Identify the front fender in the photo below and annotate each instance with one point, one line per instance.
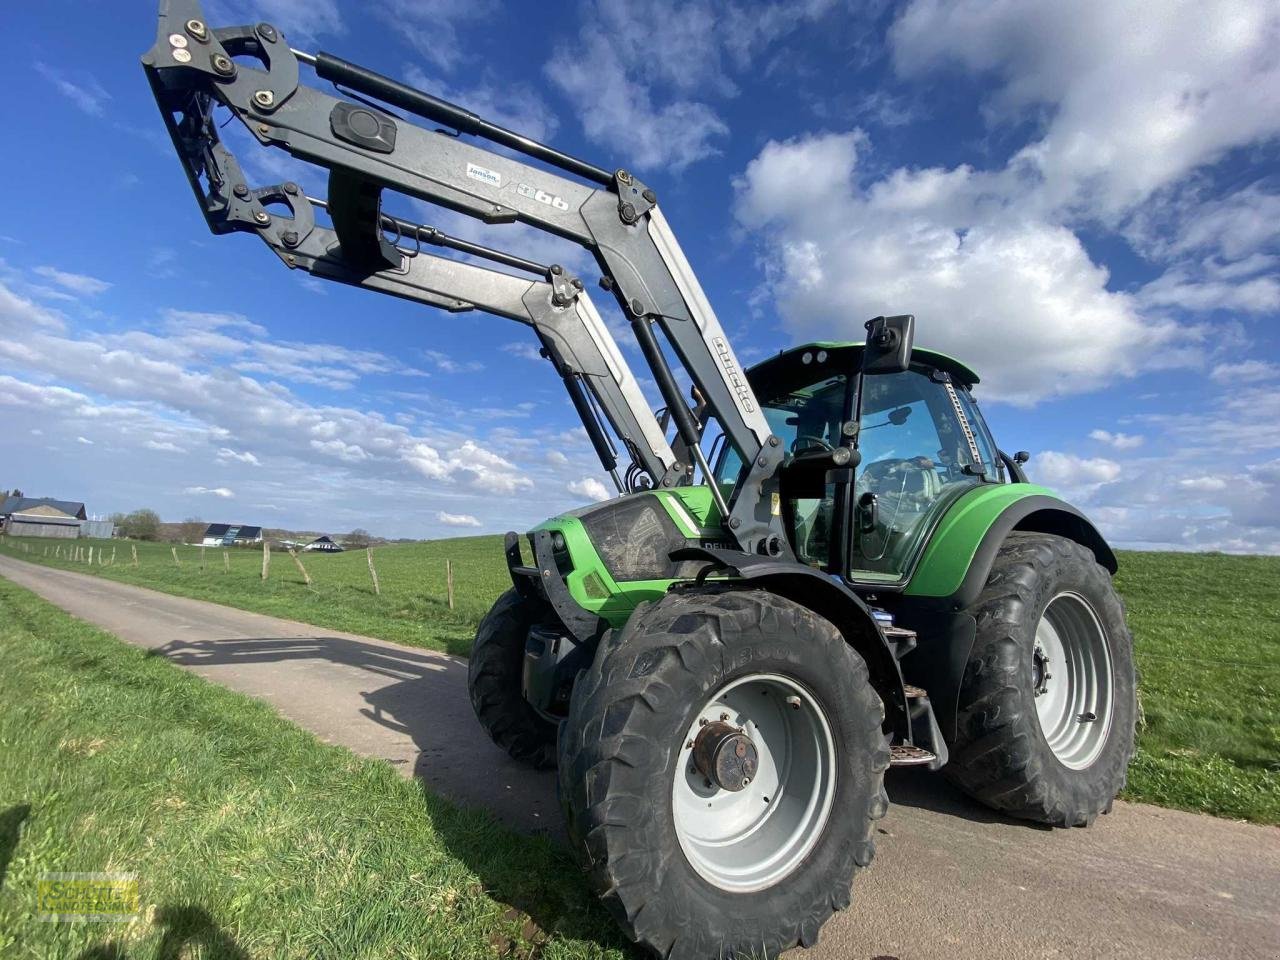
(829, 599)
(958, 558)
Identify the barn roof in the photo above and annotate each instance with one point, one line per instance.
(71, 508)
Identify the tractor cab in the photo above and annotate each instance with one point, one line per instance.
(874, 459)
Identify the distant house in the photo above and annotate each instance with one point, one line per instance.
(230, 535)
(41, 517)
(324, 544)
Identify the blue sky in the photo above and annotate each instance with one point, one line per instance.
(1080, 199)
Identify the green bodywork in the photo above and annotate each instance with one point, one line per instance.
(691, 509)
(939, 570)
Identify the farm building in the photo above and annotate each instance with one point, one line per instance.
(230, 535)
(41, 517)
(325, 544)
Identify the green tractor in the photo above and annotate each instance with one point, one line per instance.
(722, 743)
(815, 569)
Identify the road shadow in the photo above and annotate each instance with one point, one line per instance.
(189, 931)
(918, 788)
(11, 821)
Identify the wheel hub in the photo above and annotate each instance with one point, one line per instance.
(725, 755)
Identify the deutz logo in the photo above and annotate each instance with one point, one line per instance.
(732, 375)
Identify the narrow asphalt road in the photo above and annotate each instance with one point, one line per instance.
(951, 880)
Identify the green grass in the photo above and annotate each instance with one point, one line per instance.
(1206, 629)
(1207, 636)
(249, 837)
(412, 609)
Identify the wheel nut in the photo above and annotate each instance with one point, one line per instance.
(262, 217)
(264, 98)
(198, 30)
(222, 64)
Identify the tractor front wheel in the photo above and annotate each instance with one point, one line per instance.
(495, 682)
(720, 773)
(1047, 706)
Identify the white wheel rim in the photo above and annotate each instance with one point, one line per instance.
(1074, 702)
(752, 838)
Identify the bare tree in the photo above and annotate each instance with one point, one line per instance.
(357, 539)
(192, 529)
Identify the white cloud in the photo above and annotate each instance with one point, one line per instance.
(615, 107)
(432, 28)
(1245, 371)
(457, 519)
(589, 488)
(299, 20)
(221, 492)
(524, 350)
(1120, 441)
(86, 93)
(556, 458)
(1019, 298)
(1138, 94)
(1203, 483)
(659, 106)
(75, 282)
(163, 446)
(85, 440)
(226, 454)
(1069, 471)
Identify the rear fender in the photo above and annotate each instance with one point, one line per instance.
(936, 601)
(828, 599)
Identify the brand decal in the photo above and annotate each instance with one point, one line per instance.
(733, 376)
(533, 193)
(491, 177)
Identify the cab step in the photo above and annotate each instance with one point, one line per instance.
(905, 755)
(900, 639)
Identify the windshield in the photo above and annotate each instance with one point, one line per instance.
(918, 455)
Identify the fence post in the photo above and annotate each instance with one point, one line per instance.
(113, 554)
(368, 552)
(226, 562)
(174, 551)
(448, 579)
(306, 577)
(90, 559)
(134, 548)
(266, 558)
(202, 558)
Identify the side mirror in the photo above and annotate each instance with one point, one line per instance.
(1021, 457)
(888, 348)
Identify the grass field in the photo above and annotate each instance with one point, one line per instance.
(1206, 629)
(247, 835)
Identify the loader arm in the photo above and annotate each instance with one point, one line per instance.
(254, 73)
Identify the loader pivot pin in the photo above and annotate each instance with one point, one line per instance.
(725, 755)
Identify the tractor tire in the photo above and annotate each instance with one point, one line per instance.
(1048, 702)
(495, 682)
(736, 881)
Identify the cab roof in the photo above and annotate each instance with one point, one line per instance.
(923, 355)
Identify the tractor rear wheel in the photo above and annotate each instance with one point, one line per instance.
(721, 769)
(1047, 706)
(495, 682)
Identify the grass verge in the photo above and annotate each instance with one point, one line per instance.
(249, 837)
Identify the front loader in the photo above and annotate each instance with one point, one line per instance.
(814, 569)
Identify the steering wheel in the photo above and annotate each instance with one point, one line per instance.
(805, 441)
